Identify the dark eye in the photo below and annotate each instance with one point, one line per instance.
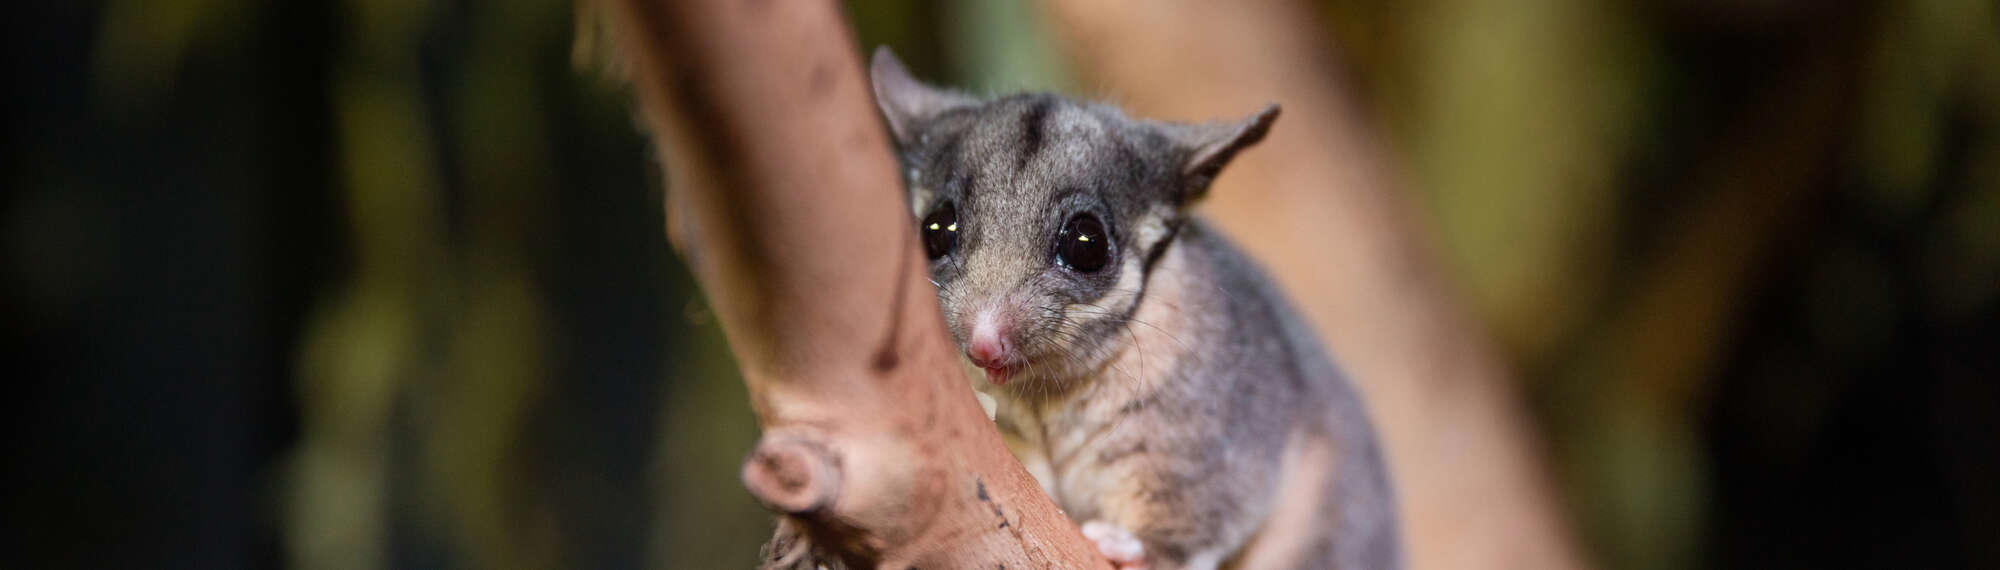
(940, 230)
(1082, 245)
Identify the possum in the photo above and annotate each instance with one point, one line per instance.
(1147, 372)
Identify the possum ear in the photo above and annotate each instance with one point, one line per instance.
(906, 102)
(1209, 146)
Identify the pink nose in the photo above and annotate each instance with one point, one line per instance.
(987, 352)
(987, 345)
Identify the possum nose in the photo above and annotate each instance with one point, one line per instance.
(988, 345)
(987, 352)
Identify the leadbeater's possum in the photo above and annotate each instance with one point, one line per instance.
(1147, 372)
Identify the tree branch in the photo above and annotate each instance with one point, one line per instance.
(790, 213)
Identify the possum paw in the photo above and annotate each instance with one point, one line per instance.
(1117, 544)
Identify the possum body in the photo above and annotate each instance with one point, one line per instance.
(1145, 370)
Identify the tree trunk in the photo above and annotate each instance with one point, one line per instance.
(788, 208)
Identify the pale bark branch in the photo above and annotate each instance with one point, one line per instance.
(790, 213)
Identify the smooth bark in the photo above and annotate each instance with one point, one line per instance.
(788, 208)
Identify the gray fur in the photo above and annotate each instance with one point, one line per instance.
(1173, 426)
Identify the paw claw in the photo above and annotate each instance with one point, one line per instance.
(1116, 544)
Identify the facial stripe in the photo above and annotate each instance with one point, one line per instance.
(1160, 246)
(921, 196)
(1033, 131)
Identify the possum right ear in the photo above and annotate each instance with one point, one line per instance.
(906, 102)
(1209, 146)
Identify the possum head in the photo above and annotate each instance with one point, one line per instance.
(1043, 217)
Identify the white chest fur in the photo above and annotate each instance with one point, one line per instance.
(1053, 431)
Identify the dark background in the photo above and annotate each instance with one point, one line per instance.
(384, 284)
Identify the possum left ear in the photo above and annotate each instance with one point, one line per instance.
(1210, 146)
(906, 103)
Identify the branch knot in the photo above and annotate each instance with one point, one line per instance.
(793, 474)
